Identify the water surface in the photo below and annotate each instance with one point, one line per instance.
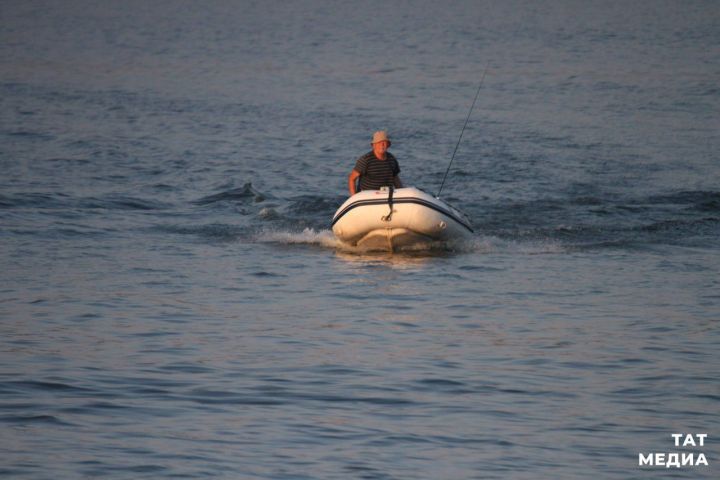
(174, 305)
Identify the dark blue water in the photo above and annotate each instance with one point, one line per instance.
(173, 304)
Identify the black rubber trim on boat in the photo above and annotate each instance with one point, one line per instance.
(424, 203)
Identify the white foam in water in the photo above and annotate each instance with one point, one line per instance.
(309, 236)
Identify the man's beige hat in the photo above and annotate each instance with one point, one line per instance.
(381, 136)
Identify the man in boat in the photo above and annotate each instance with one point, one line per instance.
(377, 168)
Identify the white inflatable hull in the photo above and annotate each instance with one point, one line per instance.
(365, 220)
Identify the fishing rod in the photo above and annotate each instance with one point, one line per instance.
(463, 130)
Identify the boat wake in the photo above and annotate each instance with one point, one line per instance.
(553, 226)
(309, 236)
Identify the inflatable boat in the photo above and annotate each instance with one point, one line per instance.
(389, 219)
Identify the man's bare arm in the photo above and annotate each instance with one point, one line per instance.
(352, 178)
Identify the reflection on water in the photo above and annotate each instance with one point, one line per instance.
(405, 259)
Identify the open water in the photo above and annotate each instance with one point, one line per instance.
(173, 304)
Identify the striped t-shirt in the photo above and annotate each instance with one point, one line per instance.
(376, 173)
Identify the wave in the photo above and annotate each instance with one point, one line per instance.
(581, 222)
(64, 201)
(548, 226)
(29, 135)
(584, 237)
(244, 194)
(214, 232)
(35, 200)
(314, 205)
(674, 228)
(704, 201)
(33, 419)
(122, 202)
